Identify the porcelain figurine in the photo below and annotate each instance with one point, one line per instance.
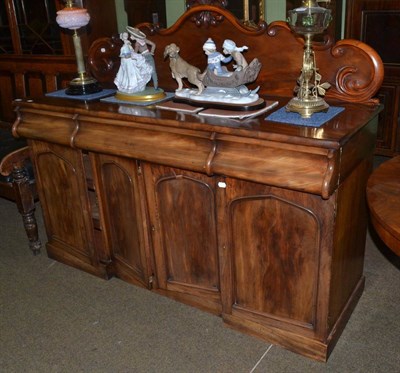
(142, 45)
(214, 59)
(243, 73)
(181, 69)
(229, 47)
(134, 72)
(222, 87)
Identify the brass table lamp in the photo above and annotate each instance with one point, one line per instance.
(308, 20)
(73, 18)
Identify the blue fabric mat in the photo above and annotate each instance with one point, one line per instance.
(93, 96)
(114, 100)
(316, 120)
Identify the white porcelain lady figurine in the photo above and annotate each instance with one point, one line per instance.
(134, 72)
(142, 45)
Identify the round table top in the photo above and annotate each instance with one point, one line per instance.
(383, 194)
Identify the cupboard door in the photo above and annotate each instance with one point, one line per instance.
(65, 203)
(122, 209)
(274, 238)
(183, 222)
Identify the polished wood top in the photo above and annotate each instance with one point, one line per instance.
(383, 193)
(309, 159)
(333, 134)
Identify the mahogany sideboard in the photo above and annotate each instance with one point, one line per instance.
(262, 223)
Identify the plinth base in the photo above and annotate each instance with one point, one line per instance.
(224, 98)
(86, 86)
(307, 107)
(148, 95)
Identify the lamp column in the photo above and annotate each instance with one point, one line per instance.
(73, 18)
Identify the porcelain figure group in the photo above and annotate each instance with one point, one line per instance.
(137, 62)
(217, 84)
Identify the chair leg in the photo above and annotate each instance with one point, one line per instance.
(26, 207)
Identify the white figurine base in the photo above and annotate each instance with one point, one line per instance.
(239, 98)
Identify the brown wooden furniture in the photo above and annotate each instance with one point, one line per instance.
(262, 223)
(36, 55)
(383, 193)
(33, 76)
(377, 23)
(17, 182)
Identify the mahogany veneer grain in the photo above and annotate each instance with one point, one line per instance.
(262, 223)
(383, 192)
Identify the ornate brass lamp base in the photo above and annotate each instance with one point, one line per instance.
(307, 107)
(83, 85)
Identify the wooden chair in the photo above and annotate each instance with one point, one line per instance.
(17, 182)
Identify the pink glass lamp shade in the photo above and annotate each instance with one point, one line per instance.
(73, 18)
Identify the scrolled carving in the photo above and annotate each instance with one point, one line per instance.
(353, 69)
(360, 74)
(103, 58)
(207, 18)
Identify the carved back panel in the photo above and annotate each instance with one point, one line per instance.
(354, 69)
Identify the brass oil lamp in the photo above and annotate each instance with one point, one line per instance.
(73, 18)
(308, 20)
